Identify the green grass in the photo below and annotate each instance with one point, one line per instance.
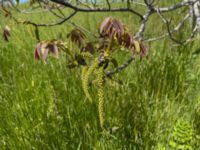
(43, 106)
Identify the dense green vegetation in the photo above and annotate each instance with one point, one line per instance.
(43, 106)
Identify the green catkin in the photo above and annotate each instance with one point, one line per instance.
(100, 96)
(86, 72)
(84, 80)
(86, 55)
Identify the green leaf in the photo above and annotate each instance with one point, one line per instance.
(172, 144)
(137, 46)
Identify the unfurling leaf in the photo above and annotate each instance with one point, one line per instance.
(53, 49)
(143, 50)
(88, 48)
(104, 25)
(38, 51)
(136, 46)
(77, 36)
(140, 48)
(127, 40)
(112, 28)
(6, 33)
(43, 48)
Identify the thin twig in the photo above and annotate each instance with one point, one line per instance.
(76, 8)
(140, 33)
(176, 6)
(120, 68)
(108, 3)
(167, 34)
(47, 25)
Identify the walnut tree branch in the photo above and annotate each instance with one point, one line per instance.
(48, 25)
(80, 9)
(180, 24)
(120, 68)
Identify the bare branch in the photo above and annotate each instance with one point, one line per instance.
(55, 14)
(82, 28)
(180, 24)
(197, 13)
(76, 8)
(192, 5)
(108, 3)
(47, 25)
(138, 3)
(195, 29)
(120, 68)
(176, 6)
(140, 33)
(167, 23)
(149, 3)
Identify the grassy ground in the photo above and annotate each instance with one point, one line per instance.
(42, 106)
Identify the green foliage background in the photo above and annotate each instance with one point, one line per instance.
(43, 106)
